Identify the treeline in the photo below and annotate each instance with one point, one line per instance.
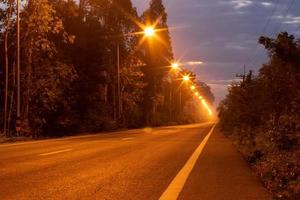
(70, 80)
(262, 115)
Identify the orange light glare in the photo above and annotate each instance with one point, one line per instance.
(197, 94)
(206, 107)
(193, 87)
(186, 78)
(149, 31)
(175, 66)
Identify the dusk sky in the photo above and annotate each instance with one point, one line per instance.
(223, 34)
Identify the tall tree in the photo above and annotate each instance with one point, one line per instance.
(7, 29)
(158, 56)
(47, 75)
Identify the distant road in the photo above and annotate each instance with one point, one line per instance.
(180, 162)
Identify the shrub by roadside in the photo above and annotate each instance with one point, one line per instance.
(278, 169)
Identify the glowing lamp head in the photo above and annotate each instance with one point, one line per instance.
(197, 94)
(186, 78)
(175, 66)
(193, 87)
(149, 31)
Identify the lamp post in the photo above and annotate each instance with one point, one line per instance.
(18, 120)
(119, 82)
(147, 32)
(175, 68)
(185, 78)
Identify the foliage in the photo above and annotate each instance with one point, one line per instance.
(262, 115)
(69, 79)
(158, 56)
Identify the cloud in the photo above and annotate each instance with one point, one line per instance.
(194, 63)
(266, 4)
(292, 20)
(224, 82)
(235, 46)
(238, 4)
(289, 19)
(224, 34)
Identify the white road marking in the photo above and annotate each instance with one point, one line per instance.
(175, 187)
(128, 138)
(55, 152)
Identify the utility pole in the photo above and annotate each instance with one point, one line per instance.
(242, 76)
(18, 120)
(180, 100)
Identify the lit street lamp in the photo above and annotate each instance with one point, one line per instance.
(186, 78)
(148, 32)
(175, 66)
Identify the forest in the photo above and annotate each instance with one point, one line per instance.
(85, 67)
(261, 115)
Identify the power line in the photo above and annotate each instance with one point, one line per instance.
(263, 32)
(273, 33)
(284, 15)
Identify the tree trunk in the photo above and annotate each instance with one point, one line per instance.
(8, 20)
(29, 70)
(12, 96)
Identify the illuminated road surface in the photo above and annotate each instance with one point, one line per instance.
(161, 163)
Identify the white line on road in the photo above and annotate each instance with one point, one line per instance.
(55, 152)
(175, 187)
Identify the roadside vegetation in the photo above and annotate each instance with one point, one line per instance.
(261, 114)
(69, 81)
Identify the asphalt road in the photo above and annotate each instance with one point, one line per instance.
(180, 162)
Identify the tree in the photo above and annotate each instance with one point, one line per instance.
(158, 56)
(48, 76)
(262, 113)
(7, 28)
(270, 101)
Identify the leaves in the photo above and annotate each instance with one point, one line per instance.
(263, 114)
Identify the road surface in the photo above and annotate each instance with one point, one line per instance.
(180, 162)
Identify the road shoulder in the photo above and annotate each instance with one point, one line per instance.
(222, 173)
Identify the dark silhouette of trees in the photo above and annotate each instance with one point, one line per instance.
(262, 113)
(69, 78)
(157, 58)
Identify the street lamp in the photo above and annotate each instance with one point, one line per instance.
(186, 78)
(149, 31)
(193, 87)
(175, 66)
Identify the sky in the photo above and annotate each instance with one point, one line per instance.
(224, 33)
